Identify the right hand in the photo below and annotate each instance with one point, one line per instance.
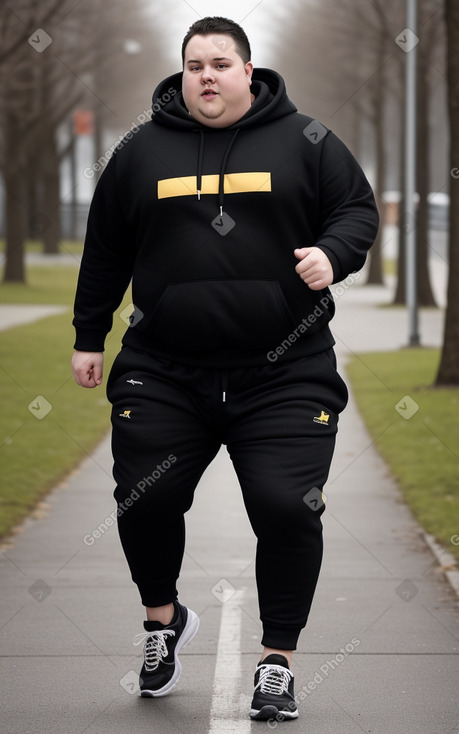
(87, 368)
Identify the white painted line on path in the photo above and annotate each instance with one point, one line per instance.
(230, 709)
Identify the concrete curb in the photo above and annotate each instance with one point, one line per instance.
(447, 562)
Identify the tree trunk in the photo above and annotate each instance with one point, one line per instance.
(424, 290)
(73, 183)
(51, 196)
(448, 371)
(33, 197)
(15, 205)
(16, 227)
(375, 270)
(400, 290)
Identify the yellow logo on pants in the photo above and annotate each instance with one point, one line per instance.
(323, 418)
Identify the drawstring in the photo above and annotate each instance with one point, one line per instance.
(200, 157)
(221, 182)
(224, 384)
(221, 179)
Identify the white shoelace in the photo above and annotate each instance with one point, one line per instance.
(155, 647)
(274, 679)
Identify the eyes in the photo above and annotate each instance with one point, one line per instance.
(219, 67)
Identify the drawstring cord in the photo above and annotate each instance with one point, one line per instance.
(221, 182)
(200, 158)
(221, 179)
(224, 384)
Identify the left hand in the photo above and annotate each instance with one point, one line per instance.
(314, 267)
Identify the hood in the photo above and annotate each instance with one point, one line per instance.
(271, 102)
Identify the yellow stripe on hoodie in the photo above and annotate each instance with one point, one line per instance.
(234, 183)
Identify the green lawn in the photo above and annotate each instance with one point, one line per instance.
(39, 448)
(73, 247)
(45, 284)
(420, 440)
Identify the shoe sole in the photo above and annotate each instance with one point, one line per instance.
(272, 712)
(189, 631)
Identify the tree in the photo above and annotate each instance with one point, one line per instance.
(448, 371)
(425, 295)
(30, 115)
(378, 89)
(77, 57)
(429, 32)
(353, 84)
(357, 86)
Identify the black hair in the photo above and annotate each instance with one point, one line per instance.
(216, 25)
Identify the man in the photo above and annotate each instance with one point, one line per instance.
(232, 213)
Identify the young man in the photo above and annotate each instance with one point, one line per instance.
(232, 213)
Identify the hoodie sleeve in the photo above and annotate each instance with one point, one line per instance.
(348, 214)
(106, 266)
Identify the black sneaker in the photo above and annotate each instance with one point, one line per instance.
(161, 669)
(273, 696)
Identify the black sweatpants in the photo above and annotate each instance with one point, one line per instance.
(279, 423)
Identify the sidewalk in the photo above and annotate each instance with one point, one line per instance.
(13, 314)
(381, 650)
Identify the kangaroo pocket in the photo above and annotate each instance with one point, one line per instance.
(221, 314)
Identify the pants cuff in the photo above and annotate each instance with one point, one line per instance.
(280, 638)
(158, 595)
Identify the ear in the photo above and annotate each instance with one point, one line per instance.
(249, 71)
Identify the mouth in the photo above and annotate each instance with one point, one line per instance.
(209, 94)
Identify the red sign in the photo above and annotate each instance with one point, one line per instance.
(83, 122)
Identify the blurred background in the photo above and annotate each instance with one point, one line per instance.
(86, 74)
(77, 75)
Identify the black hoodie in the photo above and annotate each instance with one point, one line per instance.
(205, 221)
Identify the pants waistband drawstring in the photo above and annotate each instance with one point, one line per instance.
(224, 384)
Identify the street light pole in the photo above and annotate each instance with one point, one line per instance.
(410, 176)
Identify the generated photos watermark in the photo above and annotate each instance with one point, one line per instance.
(306, 323)
(121, 141)
(318, 678)
(141, 486)
(39, 407)
(407, 40)
(407, 407)
(40, 40)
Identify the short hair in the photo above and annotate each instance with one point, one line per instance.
(217, 25)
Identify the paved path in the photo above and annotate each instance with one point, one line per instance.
(68, 610)
(17, 314)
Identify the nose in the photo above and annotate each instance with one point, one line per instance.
(207, 76)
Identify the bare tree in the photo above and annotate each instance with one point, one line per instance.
(430, 35)
(12, 41)
(32, 108)
(425, 295)
(73, 56)
(357, 86)
(379, 86)
(354, 82)
(448, 372)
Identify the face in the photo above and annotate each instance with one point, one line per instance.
(216, 82)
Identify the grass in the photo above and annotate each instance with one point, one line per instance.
(389, 266)
(421, 450)
(35, 361)
(72, 247)
(46, 284)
